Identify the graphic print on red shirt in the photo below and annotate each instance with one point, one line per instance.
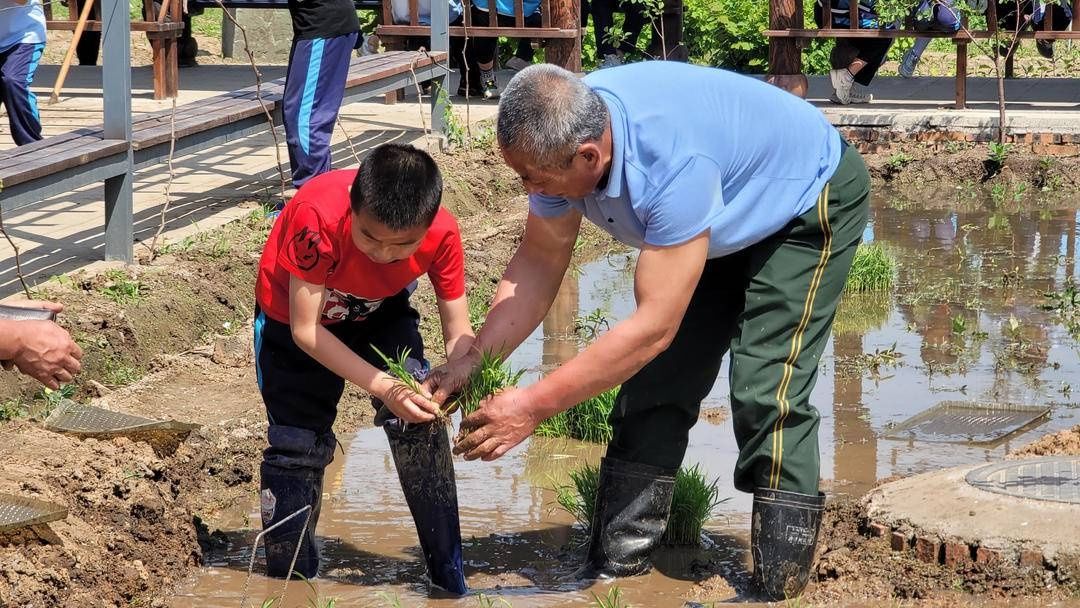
(312, 240)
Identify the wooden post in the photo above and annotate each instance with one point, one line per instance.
(565, 52)
(961, 75)
(785, 58)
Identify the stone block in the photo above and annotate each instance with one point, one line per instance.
(957, 554)
(927, 549)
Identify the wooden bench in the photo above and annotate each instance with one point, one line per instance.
(787, 37)
(163, 26)
(62, 163)
(560, 26)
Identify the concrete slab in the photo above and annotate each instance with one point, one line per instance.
(941, 509)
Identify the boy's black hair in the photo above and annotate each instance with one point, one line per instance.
(399, 185)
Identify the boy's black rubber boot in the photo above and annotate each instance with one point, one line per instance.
(282, 492)
(426, 471)
(630, 514)
(783, 536)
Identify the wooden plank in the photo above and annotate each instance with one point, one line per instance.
(493, 14)
(485, 32)
(52, 163)
(991, 16)
(869, 33)
(414, 12)
(47, 142)
(853, 14)
(136, 26)
(1076, 16)
(519, 13)
(545, 13)
(466, 13)
(387, 13)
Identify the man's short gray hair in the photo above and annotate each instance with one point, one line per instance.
(546, 112)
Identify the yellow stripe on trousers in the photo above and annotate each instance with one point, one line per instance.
(796, 342)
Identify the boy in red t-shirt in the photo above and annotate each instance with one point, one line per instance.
(334, 284)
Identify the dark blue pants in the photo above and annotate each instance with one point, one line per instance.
(314, 87)
(17, 67)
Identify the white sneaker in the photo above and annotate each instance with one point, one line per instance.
(611, 61)
(860, 94)
(842, 81)
(517, 64)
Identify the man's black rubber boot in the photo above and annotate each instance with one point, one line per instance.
(783, 536)
(630, 514)
(282, 493)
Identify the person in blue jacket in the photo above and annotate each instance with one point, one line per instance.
(22, 40)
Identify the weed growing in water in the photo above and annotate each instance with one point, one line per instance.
(587, 421)
(1066, 305)
(611, 599)
(121, 288)
(875, 362)
(692, 503)
(873, 269)
(589, 326)
(898, 161)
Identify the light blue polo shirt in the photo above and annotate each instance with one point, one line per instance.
(696, 148)
(21, 24)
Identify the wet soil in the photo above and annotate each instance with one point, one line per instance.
(1062, 443)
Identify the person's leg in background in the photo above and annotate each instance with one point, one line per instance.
(486, 49)
(603, 15)
(1061, 17)
(795, 279)
(633, 22)
(943, 18)
(314, 88)
(17, 67)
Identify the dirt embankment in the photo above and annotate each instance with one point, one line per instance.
(1062, 443)
(172, 339)
(918, 166)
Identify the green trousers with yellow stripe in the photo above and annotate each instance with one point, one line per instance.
(772, 306)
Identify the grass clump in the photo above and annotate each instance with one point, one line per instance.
(692, 502)
(612, 599)
(587, 421)
(873, 269)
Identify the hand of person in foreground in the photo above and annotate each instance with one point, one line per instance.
(40, 349)
(500, 423)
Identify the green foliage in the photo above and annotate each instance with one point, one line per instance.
(589, 326)
(727, 33)
(998, 153)
(611, 599)
(898, 161)
(118, 372)
(489, 378)
(692, 502)
(121, 288)
(397, 368)
(1066, 305)
(587, 421)
(872, 270)
(11, 409)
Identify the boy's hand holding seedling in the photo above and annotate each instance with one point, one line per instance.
(410, 403)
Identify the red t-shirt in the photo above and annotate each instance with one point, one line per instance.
(312, 239)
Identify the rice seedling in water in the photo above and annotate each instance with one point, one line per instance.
(398, 368)
(873, 269)
(692, 502)
(587, 421)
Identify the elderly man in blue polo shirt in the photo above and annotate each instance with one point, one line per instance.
(747, 207)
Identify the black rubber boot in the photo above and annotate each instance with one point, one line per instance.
(783, 536)
(282, 492)
(426, 471)
(631, 511)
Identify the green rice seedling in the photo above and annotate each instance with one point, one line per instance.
(587, 421)
(691, 506)
(397, 368)
(389, 600)
(611, 599)
(692, 502)
(579, 496)
(489, 378)
(873, 269)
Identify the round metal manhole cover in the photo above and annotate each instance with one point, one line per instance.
(1055, 478)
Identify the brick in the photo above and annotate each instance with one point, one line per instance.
(1046, 138)
(1061, 150)
(1031, 558)
(878, 530)
(927, 549)
(898, 541)
(987, 556)
(957, 554)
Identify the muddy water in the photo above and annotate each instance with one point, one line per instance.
(965, 319)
